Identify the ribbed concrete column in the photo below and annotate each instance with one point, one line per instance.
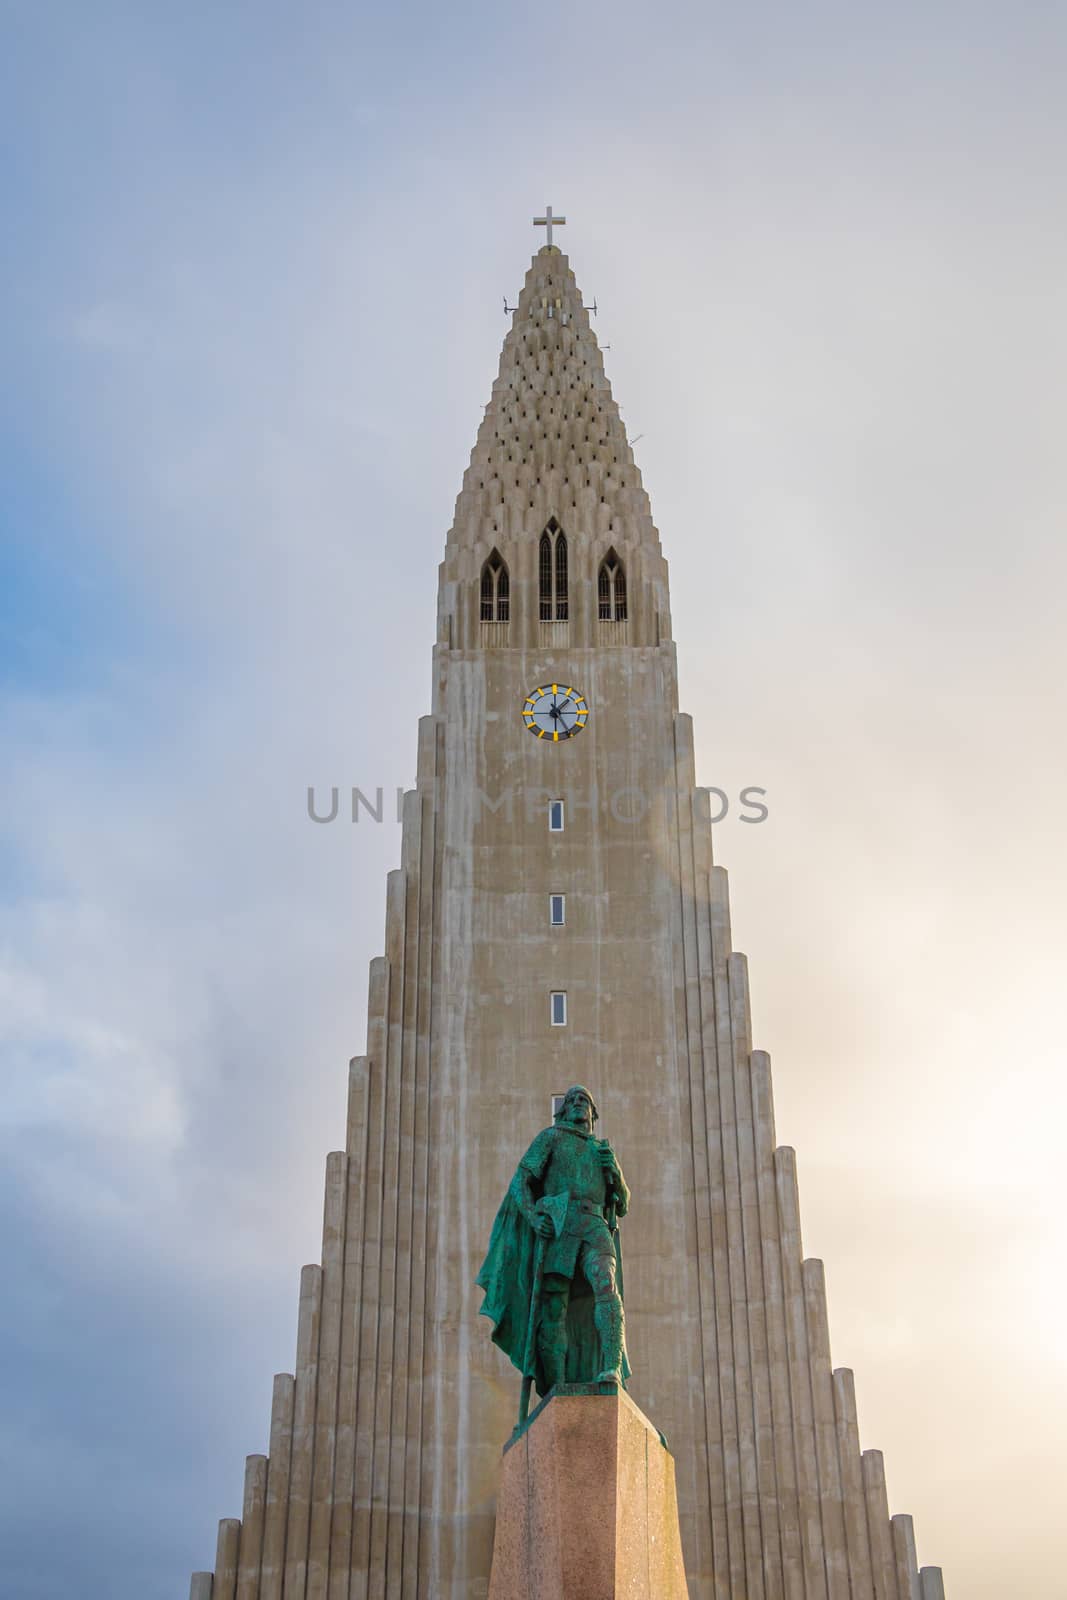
(742, 1477)
(348, 1379)
(356, 1117)
(252, 1527)
(430, 734)
(904, 1553)
(883, 1561)
(276, 1507)
(705, 1527)
(759, 1359)
(848, 1458)
(785, 1171)
(416, 937)
(370, 1298)
(307, 1354)
(833, 1515)
(389, 1312)
(333, 1240)
(931, 1584)
(777, 1341)
(200, 1585)
(227, 1554)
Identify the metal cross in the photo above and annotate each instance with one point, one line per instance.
(547, 222)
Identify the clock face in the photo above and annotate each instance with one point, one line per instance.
(555, 712)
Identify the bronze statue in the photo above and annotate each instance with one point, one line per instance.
(553, 1273)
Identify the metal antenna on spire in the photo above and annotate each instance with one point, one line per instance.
(508, 309)
(548, 221)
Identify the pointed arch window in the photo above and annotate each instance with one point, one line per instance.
(603, 590)
(544, 568)
(552, 574)
(611, 589)
(496, 589)
(561, 578)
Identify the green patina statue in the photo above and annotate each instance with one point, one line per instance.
(553, 1274)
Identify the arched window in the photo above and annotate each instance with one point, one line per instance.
(561, 578)
(620, 592)
(603, 593)
(544, 566)
(496, 590)
(552, 574)
(611, 589)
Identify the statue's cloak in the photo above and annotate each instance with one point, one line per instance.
(507, 1277)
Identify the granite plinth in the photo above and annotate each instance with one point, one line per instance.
(587, 1508)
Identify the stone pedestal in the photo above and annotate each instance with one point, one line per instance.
(587, 1507)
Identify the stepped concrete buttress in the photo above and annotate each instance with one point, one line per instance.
(587, 1508)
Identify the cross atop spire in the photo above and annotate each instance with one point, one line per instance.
(546, 222)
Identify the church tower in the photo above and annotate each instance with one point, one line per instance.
(557, 918)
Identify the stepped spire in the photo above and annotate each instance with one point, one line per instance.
(552, 440)
(552, 454)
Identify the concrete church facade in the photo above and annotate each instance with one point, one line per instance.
(557, 917)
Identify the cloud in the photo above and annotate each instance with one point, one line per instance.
(110, 328)
(73, 1070)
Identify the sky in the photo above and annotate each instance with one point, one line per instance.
(254, 259)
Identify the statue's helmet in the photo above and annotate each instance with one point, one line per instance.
(575, 1090)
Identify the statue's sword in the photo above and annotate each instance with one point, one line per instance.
(531, 1334)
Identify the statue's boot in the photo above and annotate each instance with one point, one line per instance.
(610, 1322)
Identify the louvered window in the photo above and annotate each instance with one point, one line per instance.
(496, 590)
(611, 589)
(552, 574)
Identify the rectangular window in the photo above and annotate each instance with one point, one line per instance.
(557, 909)
(555, 816)
(558, 1000)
